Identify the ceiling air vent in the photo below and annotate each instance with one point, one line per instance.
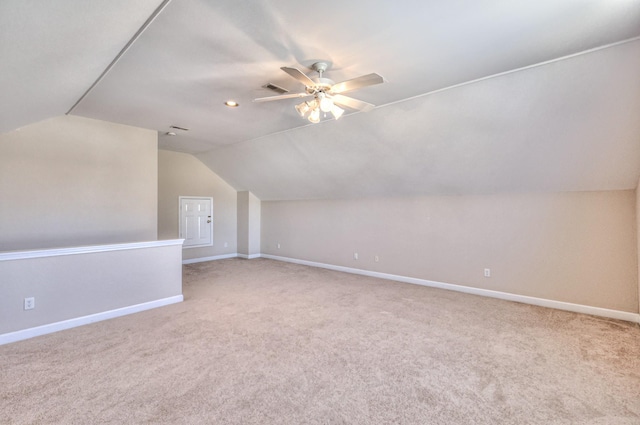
(275, 88)
(175, 127)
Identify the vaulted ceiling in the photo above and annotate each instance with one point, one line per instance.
(480, 96)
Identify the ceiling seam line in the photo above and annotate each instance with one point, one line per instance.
(126, 47)
(511, 71)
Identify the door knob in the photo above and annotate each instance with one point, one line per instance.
(208, 221)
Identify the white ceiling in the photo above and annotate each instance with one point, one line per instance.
(571, 124)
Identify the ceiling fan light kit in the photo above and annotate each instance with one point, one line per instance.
(327, 97)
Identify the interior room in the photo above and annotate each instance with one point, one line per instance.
(339, 212)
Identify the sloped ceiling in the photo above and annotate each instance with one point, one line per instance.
(567, 119)
(570, 125)
(53, 51)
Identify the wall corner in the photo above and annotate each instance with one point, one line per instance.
(249, 211)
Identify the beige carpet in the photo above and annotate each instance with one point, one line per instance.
(265, 342)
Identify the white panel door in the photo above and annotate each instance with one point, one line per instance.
(196, 221)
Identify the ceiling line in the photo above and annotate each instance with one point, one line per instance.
(138, 33)
(511, 71)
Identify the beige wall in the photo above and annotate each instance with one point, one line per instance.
(181, 174)
(70, 286)
(638, 236)
(243, 223)
(575, 247)
(71, 181)
(255, 218)
(248, 224)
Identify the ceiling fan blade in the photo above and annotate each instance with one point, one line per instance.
(299, 75)
(356, 83)
(282, 96)
(352, 103)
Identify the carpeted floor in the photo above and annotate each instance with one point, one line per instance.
(265, 342)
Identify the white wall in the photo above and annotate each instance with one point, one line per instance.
(181, 174)
(578, 247)
(71, 181)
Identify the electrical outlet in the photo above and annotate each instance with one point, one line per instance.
(29, 303)
(226, 244)
(278, 246)
(487, 272)
(376, 258)
(355, 255)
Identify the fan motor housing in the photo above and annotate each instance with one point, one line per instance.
(322, 84)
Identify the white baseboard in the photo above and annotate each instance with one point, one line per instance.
(85, 320)
(221, 257)
(215, 257)
(249, 257)
(560, 305)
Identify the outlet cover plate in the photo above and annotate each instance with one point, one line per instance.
(29, 303)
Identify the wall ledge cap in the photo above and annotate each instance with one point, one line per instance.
(54, 252)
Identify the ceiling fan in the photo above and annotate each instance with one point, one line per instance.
(326, 94)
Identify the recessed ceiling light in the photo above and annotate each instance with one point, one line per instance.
(170, 133)
(232, 103)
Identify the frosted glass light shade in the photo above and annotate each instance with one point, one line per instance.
(314, 116)
(303, 108)
(337, 111)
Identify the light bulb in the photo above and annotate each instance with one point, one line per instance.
(326, 103)
(337, 111)
(314, 116)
